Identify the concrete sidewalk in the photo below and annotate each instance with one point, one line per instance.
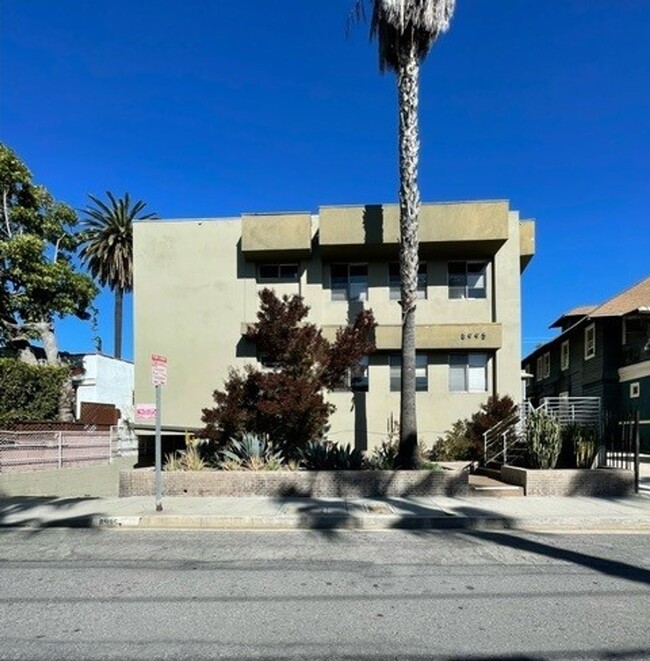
(578, 514)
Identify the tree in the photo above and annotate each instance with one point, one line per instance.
(286, 400)
(108, 248)
(38, 279)
(405, 31)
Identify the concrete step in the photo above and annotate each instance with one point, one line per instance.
(484, 486)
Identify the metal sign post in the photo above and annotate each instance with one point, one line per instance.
(158, 379)
(158, 450)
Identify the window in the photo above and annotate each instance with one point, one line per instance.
(359, 376)
(546, 365)
(468, 372)
(564, 355)
(421, 378)
(635, 390)
(287, 272)
(394, 281)
(467, 279)
(590, 341)
(349, 282)
(539, 370)
(356, 379)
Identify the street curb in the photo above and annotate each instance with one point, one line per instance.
(338, 522)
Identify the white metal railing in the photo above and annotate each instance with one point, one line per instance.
(568, 410)
(506, 440)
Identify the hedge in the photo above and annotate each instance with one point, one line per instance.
(29, 392)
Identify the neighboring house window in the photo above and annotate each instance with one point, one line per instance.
(564, 355)
(349, 282)
(421, 378)
(543, 367)
(467, 279)
(635, 390)
(468, 372)
(287, 272)
(590, 341)
(394, 281)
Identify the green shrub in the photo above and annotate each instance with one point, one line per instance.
(456, 445)
(544, 439)
(29, 393)
(384, 456)
(464, 441)
(331, 457)
(250, 452)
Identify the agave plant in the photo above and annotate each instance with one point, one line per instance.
(331, 456)
(251, 452)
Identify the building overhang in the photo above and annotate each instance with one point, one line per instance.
(441, 337)
(463, 229)
(276, 236)
(526, 242)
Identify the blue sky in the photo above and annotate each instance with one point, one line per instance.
(216, 107)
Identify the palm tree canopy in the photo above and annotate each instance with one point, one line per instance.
(399, 23)
(107, 240)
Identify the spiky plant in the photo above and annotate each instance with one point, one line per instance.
(405, 30)
(331, 456)
(107, 248)
(544, 439)
(251, 452)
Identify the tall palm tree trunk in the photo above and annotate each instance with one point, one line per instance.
(409, 201)
(119, 299)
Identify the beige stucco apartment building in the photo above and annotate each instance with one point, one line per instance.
(197, 284)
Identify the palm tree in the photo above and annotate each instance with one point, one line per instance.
(405, 30)
(107, 248)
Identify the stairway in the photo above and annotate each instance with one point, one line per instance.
(488, 486)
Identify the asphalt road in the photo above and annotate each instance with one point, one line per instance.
(80, 594)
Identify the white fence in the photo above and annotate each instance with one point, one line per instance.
(25, 451)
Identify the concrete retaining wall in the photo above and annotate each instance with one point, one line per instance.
(571, 482)
(353, 484)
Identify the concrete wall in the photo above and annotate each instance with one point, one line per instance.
(107, 380)
(571, 482)
(194, 288)
(318, 484)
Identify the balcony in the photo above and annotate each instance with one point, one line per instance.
(463, 229)
(276, 236)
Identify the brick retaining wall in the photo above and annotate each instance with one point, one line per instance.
(353, 484)
(571, 482)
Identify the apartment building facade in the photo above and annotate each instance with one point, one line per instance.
(196, 291)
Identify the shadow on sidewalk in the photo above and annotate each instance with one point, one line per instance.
(32, 512)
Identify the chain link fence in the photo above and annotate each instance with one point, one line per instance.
(33, 450)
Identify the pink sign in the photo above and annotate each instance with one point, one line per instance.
(145, 411)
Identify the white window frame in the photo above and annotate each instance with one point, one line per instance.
(394, 283)
(546, 362)
(538, 369)
(590, 344)
(350, 285)
(467, 360)
(565, 355)
(466, 295)
(635, 389)
(421, 372)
